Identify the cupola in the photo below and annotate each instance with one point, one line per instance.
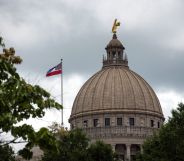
(115, 53)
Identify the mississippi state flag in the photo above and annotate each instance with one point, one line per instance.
(55, 70)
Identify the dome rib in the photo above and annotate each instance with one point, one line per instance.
(151, 97)
(83, 91)
(132, 90)
(107, 100)
(102, 100)
(150, 92)
(77, 98)
(140, 87)
(95, 86)
(113, 89)
(116, 89)
(88, 86)
(156, 103)
(121, 101)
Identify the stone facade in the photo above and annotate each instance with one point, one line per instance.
(117, 105)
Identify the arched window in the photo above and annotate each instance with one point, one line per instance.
(119, 54)
(114, 55)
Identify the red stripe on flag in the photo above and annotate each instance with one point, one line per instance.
(54, 73)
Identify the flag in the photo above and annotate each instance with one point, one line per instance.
(55, 70)
(115, 25)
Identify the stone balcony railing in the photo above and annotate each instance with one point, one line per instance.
(119, 131)
(115, 62)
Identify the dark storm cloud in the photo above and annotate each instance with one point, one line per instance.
(44, 31)
(161, 67)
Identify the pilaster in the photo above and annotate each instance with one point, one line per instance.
(128, 152)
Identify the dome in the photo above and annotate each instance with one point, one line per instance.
(115, 43)
(117, 105)
(116, 89)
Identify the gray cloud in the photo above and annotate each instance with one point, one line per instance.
(44, 31)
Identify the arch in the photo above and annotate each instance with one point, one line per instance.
(120, 149)
(134, 149)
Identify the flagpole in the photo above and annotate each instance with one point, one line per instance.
(62, 124)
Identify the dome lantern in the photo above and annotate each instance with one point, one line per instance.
(115, 53)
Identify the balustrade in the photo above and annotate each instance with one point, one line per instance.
(119, 131)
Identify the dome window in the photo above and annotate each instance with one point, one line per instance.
(158, 124)
(85, 123)
(119, 121)
(107, 121)
(114, 55)
(131, 121)
(152, 123)
(119, 55)
(95, 122)
(72, 126)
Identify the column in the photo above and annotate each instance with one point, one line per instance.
(113, 147)
(141, 148)
(128, 151)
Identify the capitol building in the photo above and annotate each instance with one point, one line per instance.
(117, 105)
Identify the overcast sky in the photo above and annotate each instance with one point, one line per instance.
(42, 32)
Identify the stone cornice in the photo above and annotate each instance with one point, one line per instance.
(122, 111)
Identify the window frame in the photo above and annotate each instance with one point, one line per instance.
(117, 122)
(107, 121)
(131, 120)
(158, 124)
(152, 123)
(95, 122)
(85, 123)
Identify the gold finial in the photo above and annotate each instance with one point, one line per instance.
(115, 25)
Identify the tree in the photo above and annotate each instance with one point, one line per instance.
(6, 153)
(19, 101)
(75, 146)
(99, 151)
(72, 146)
(168, 144)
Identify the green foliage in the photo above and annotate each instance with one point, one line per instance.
(99, 151)
(19, 101)
(168, 144)
(74, 146)
(6, 153)
(71, 146)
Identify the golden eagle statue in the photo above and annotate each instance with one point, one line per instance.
(115, 25)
